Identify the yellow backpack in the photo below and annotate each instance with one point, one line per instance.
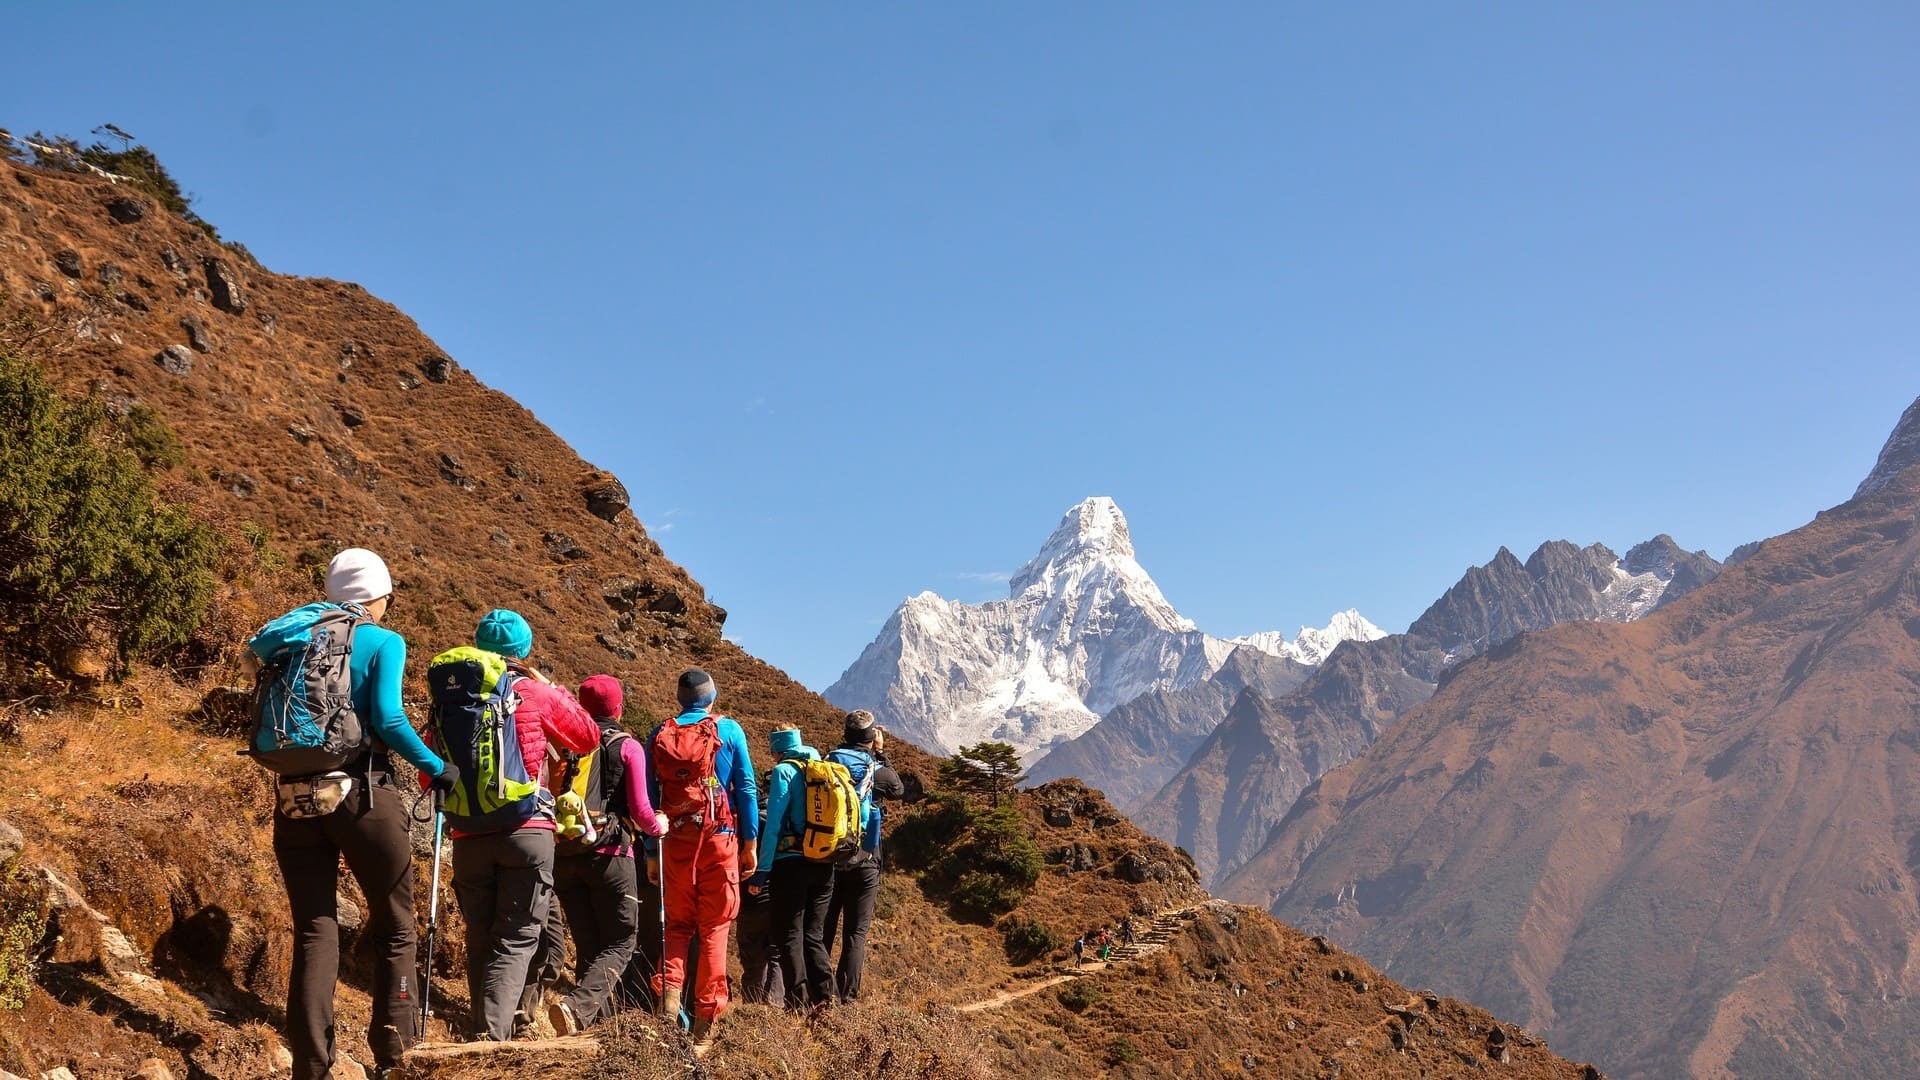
(834, 820)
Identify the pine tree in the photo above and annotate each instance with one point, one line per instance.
(989, 769)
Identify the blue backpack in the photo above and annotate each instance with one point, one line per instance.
(474, 727)
(303, 717)
(859, 765)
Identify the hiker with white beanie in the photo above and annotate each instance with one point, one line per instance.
(354, 811)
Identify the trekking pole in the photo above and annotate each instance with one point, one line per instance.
(660, 966)
(433, 915)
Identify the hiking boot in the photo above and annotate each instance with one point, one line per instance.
(560, 1014)
(670, 1002)
(702, 1035)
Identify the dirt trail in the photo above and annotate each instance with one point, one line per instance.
(1157, 937)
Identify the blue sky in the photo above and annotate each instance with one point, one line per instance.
(858, 299)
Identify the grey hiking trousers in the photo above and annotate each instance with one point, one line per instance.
(504, 882)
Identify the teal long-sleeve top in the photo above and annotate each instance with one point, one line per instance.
(780, 836)
(379, 660)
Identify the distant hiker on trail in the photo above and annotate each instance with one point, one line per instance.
(593, 875)
(1106, 945)
(1126, 929)
(1080, 950)
(856, 881)
(703, 782)
(495, 715)
(337, 798)
(801, 887)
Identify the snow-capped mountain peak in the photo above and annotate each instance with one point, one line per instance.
(1313, 645)
(1083, 630)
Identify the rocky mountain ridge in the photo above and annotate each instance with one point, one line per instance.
(1679, 844)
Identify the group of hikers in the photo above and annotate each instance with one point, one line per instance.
(559, 821)
(1102, 941)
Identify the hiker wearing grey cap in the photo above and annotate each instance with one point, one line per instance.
(702, 781)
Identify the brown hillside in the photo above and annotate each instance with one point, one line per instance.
(325, 416)
(1682, 846)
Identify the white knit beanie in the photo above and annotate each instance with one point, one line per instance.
(356, 576)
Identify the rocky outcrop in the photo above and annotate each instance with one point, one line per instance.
(605, 496)
(1901, 451)
(223, 286)
(175, 360)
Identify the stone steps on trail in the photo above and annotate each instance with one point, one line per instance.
(529, 1056)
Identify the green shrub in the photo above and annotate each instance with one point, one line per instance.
(1122, 1052)
(86, 544)
(151, 440)
(1080, 995)
(1027, 941)
(985, 897)
(23, 922)
(924, 836)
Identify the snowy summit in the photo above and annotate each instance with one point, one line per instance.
(1083, 630)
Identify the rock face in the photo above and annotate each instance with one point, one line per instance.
(224, 286)
(1901, 451)
(1136, 748)
(175, 360)
(1685, 845)
(606, 496)
(1084, 630)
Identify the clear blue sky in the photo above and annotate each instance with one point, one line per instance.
(859, 298)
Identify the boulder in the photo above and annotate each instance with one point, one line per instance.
(438, 369)
(223, 286)
(564, 547)
(69, 263)
(61, 1073)
(606, 497)
(11, 842)
(175, 360)
(111, 274)
(350, 415)
(197, 335)
(1058, 816)
(345, 1068)
(347, 913)
(126, 210)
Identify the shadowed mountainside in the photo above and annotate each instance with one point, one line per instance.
(1682, 845)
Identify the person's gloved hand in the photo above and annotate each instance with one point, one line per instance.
(448, 779)
(757, 882)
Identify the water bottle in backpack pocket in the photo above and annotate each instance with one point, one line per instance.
(304, 723)
(473, 727)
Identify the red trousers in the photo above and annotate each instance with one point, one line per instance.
(700, 877)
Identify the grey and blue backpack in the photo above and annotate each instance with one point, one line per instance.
(303, 717)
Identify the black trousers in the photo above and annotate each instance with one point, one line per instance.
(603, 912)
(370, 830)
(855, 888)
(802, 890)
(504, 882)
(761, 980)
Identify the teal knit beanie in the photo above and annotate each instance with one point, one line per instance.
(784, 742)
(504, 632)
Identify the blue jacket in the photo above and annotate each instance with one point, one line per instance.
(733, 764)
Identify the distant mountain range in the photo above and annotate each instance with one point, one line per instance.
(1241, 779)
(1687, 846)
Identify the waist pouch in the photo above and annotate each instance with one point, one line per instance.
(313, 796)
